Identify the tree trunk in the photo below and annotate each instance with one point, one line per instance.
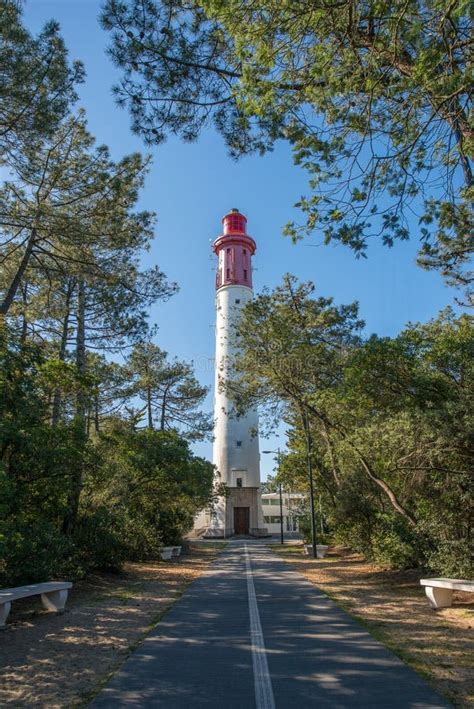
(148, 408)
(163, 412)
(461, 136)
(15, 284)
(368, 468)
(309, 455)
(62, 351)
(80, 415)
(385, 487)
(24, 324)
(332, 456)
(96, 413)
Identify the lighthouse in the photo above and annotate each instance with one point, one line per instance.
(235, 453)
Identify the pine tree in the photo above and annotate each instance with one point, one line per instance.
(171, 393)
(37, 85)
(373, 97)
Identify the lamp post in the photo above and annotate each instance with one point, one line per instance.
(281, 517)
(309, 446)
(282, 541)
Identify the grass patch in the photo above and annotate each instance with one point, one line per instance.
(218, 544)
(286, 549)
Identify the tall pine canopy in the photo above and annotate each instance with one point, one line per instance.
(373, 97)
(37, 83)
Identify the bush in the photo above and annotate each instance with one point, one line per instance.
(31, 552)
(173, 524)
(139, 488)
(390, 550)
(304, 526)
(452, 558)
(142, 539)
(99, 542)
(395, 544)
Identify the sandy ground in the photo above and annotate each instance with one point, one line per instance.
(49, 660)
(62, 661)
(391, 604)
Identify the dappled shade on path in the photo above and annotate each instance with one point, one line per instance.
(201, 653)
(392, 603)
(51, 660)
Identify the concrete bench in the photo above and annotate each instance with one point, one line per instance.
(53, 596)
(440, 591)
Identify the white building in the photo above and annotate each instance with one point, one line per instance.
(291, 502)
(236, 451)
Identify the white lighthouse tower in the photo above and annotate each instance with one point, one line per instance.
(236, 454)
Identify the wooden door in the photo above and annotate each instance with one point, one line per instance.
(241, 520)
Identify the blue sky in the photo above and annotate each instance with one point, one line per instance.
(191, 186)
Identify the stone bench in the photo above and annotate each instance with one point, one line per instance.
(440, 591)
(53, 596)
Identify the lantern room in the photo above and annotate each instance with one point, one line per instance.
(234, 250)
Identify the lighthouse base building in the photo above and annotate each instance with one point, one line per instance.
(235, 452)
(241, 514)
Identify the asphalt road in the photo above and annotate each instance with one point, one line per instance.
(253, 634)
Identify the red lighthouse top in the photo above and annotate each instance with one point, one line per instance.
(234, 249)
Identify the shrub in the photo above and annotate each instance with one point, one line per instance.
(304, 526)
(394, 544)
(452, 558)
(142, 539)
(99, 542)
(31, 552)
(173, 523)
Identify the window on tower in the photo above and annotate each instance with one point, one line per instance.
(239, 482)
(237, 301)
(245, 274)
(239, 444)
(228, 273)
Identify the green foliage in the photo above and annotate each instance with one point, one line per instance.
(452, 558)
(80, 487)
(394, 544)
(373, 97)
(36, 82)
(269, 485)
(31, 550)
(99, 542)
(154, 472)
(352, 513)
(71, 202)
(140, 489)
(391, 422)
(304, 526)
(170, 391)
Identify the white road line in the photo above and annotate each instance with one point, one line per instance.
(263, 684)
